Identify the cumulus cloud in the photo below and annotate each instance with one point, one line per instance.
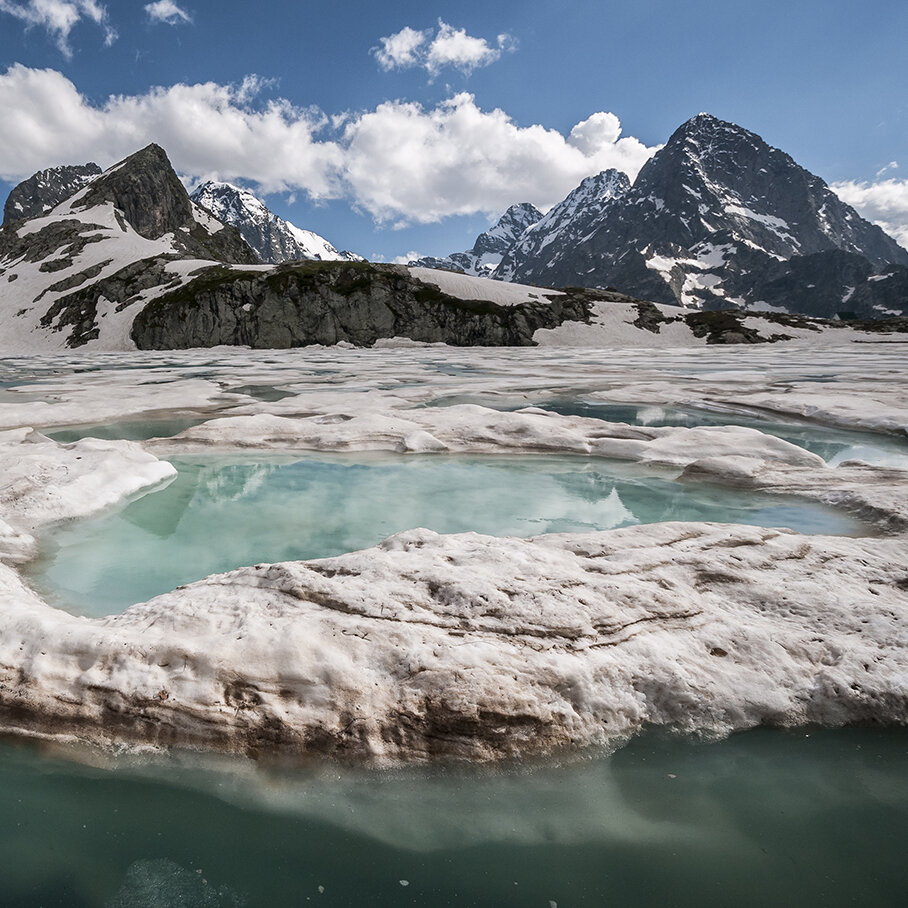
(402, 160)
(59, 17)
(401, 163)
(885, 203)
(435, 50)
(402, 49)
(210, 131)
(168, 12)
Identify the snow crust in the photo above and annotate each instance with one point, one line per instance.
(465, 646)
(467, 287)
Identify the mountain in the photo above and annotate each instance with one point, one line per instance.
(129, 260)
(490, 246)
(46, 189)
(717, 218)
(77, 273)
(273, 239)
(568, 223)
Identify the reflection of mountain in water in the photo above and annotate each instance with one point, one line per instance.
(196, 485)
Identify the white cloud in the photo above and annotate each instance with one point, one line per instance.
(885, 203)
(166, 11)
(436, 50)
(59, 17)
(403, 161)
(400, 162)
(209, 130)
(411, 256)
(401, 49)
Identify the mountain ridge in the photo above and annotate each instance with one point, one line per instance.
(273, 239)
(712, 221)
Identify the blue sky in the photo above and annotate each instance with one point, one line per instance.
(407, 126)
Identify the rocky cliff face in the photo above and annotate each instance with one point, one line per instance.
(706, 225)
(145, 188)
(326, 303)
(46, 189)
(490, 246)
(272, 238)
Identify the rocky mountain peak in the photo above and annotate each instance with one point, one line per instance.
(490, 246)
(46, 189)
(501, 235)
(716, 218)
(147, 190)
(273, 239)
(568, 221)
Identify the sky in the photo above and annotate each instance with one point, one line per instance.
(403, 128)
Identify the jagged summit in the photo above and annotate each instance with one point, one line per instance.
(509, 227)
(273, 239)
(146, 189)
(46, 189)
(491, 245)
(712, 221)
(567, 222)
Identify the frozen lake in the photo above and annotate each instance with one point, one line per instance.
(808, 815)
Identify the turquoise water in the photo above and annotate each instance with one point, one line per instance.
(128, 429)
(223, 512)
(816, 818)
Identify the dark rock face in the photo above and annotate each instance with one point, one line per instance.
(46, 189)
(324, 303)
(706, 224)
(76, 313)
(490, 246)
(146, 189)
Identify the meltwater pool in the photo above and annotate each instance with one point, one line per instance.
(223, 512)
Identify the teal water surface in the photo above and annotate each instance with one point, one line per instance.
(223, 512)
(806, 818)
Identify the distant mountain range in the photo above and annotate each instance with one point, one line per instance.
(715, 219)
(124, 258)
(490, 247)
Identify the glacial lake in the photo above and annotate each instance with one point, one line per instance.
(224, 512)
(807, 817)
(810, 817)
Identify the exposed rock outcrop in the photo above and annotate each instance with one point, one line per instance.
(46, 189)
(328, 302)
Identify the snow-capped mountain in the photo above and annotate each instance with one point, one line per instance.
(490, 246)
(78, 273)
(717, 218)
(566, 225)
(45, 190)
(273, 239)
